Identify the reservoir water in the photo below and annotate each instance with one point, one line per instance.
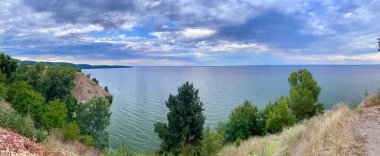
(140, 93)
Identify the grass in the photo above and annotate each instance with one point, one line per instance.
(327, 134)
(373, 100)
(23, 125)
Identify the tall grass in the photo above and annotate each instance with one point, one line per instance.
(327, 134)
(23, 125)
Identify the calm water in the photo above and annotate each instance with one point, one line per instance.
(140, 93)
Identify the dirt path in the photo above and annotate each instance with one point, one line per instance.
(14, 144)
(368, 129)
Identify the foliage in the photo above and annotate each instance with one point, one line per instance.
(122, 151)
(23, 125)
(54, 114)
(237, 142)
(185, 118)
(95, 80)
(57, 82)
(29, 102)
(88, 140)
(244, 121)
(94, 118)
(2, 77)
(304, 95)
(7, 64)
(109, 98)
(106, 89)
(186, 149)
(280, 116)
(2, 91)
(71, 131)
(211, 142)
(71, 105)
(16, 87)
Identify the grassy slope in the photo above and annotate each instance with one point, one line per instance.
(332, 133)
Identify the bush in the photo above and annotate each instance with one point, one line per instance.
(244, 121)
(22, 125)
(280, 116)
(88, 140)
(185, 119)
(7, 64)
(304, 93)
(16, 87)
(94, 117)
(71, 131)
(211, 142)
(54, 114)
(122, 151)
(95, 80)
(57, 82)
(29, 102)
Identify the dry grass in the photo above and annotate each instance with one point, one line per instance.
(71, 148)
(373, 100)
(329, 134)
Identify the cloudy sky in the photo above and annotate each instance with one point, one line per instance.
(197, 32)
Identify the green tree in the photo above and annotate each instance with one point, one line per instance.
(94, 117)
(304, 93)
(7, 64)
(29, 102)
(16, 87)
(57, 82)
(280, 116)
(244, 121)
(211, 142)
(54, 114)
(185, 118)
(71, 131)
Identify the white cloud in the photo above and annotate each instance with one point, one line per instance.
(197, 32)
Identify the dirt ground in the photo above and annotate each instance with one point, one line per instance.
(368, 129)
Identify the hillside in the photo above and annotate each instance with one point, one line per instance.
(84, 88)
(80, 66)
(339, 131)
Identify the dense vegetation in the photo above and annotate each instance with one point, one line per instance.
(41, 98)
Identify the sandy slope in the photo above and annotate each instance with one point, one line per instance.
(84, 88)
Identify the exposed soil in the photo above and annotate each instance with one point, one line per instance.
(368, 130)
(14, 144)
(84, 88)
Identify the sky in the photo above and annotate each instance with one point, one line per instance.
(191, 32)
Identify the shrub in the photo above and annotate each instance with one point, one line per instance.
(71, 131)
(57, 82)
(22, 125)
(95, 80)
(94, 117)
(29, 102)
(185, 118)
(16, 87)
(280, 116)
(122, 151)
(88, 140)
(244, 121)
(7, 64)
(211, 142)
(54, 114)
(304, 93)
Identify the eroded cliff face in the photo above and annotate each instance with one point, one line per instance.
(84, 88)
